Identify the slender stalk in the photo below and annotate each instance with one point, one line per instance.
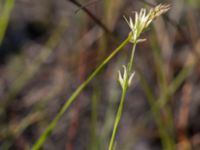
(76, 93)
(142, 21)
(4, 18)
(130, 65)
(117, 119)
(124, 91)
(93, 129)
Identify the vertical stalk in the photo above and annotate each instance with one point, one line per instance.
(72, 98)
(4, 18)
(124, 91)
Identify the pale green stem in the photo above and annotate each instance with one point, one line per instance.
(93, 129)
(4, 17)
(117, 119)
(124, 91)
(76, 93)
(130, 65)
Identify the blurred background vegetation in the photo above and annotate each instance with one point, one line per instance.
(48, 48)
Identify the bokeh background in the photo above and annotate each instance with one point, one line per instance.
(49, 47)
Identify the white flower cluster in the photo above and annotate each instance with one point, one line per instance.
(143, 19)
(122, 79)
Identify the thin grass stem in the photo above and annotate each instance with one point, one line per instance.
(72, 98)
(4, 18)
(124, 91)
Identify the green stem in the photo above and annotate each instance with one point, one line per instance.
(117, 119)
(76, 93)
(4, 18)
(130, 65)
(124, 91)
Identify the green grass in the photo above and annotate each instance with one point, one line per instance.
(73, 97)
(4, 17)
(99, 138)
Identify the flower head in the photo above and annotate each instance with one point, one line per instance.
(122, 79)
(143, 20)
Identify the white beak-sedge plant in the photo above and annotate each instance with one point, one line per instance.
(142, 21)
(136, 29)
(73, 97)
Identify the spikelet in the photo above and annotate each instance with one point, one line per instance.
(143, 20)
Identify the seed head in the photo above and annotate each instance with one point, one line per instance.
(143, 20)
(122, 78)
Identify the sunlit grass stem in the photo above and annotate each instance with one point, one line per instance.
(76, 93)
(142, 21)
(4, 17)
(124, 91)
